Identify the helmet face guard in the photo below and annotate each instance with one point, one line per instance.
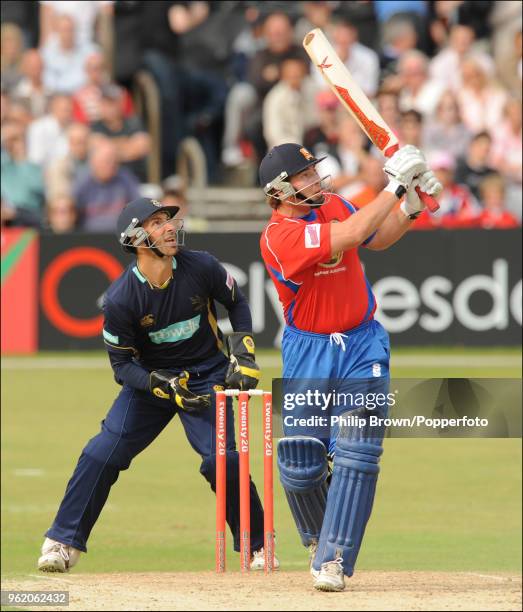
(282, 189)
(136, 237)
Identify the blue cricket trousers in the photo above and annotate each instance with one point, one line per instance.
(356, 360)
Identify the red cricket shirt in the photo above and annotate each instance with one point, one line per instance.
(319, 292)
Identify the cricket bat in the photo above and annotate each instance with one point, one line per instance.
(354, 99)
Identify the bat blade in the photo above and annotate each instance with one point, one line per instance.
(350, 94)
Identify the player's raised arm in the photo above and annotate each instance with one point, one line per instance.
(402, 168)
(400, 220)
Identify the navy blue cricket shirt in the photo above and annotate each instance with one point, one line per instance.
(174, 328)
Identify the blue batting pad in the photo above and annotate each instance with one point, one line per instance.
(351, 492)
(303, 474)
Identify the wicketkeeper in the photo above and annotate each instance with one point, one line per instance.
(165, 348)
(310, 248)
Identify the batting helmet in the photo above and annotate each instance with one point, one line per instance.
(281, 163)
(289, 158)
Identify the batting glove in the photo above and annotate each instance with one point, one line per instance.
(406, 164)
(412, 206)
(243, 373)
(163, 384)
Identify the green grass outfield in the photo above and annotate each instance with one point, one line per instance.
(441, 504)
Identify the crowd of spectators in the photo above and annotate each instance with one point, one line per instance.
(445, 75)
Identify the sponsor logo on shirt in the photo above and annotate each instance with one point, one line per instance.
(177, 331)
(330, 271)
(376, 369)
(312, 236)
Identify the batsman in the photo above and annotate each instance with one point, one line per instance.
(165, 349)
(310, 249)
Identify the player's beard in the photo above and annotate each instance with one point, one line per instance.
(315, 200)
(169, 250)
(317, 197)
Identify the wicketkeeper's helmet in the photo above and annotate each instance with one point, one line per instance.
(129, 228)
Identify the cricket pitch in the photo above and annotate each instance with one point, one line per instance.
(366, 590)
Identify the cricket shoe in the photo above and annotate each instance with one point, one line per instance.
(330, 577)
(312, 553)
(57, 557)
(258, 561)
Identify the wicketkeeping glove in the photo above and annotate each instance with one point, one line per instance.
(243, 372)
(406, 164)
(164, 384)
(412, 206)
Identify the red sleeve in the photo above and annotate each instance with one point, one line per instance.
(296, 245)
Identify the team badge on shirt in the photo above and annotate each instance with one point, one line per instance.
(147, 321)
(333, 261)
(199, 303)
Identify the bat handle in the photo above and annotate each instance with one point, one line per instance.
(430, 202)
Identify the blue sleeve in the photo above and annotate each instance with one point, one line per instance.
(120, 343)
(225, 290)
